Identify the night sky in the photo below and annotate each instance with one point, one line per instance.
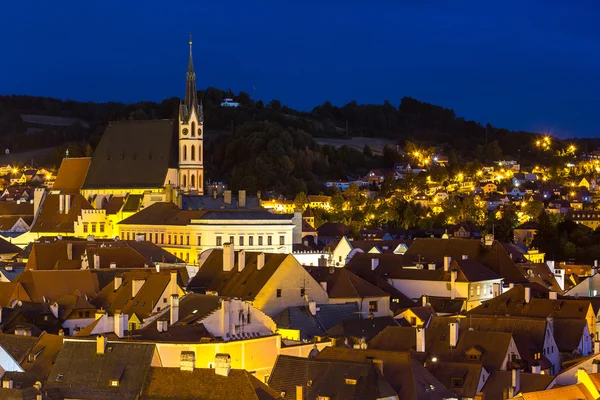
(532, 67)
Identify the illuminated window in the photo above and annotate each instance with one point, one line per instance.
(101, 227)
(93, 228)
(373, 306)
(85, 227)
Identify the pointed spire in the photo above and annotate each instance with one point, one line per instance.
(191, 96)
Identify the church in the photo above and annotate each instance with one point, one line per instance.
(146, 181)
(141, 156)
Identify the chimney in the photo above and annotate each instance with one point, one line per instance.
(299, 392)
(96, 261)
(242, 199)
(595, 366)
(465, 257)
(67, 203)
(54, 309)
(453, 275)
(136, 286)
(241, 260)
(174, 308)
(228, 257)
(447, 262)
(511, 285)
(187, 360)
(516, 381)
(174, 288)
(61, 203)
(420, 343)
(7, 384)
(424, 300)
(454, 327)
(496, 289)
(553, 295)
(527, 294)
(119, 327)
(596, 346)
(222, 364)
(312, 307)
(374, 263)
(69, 251)
(157, 266)
(227, 197)
(118, 281)
(260, 261)
(162, 325)
(100, 344)
(536, 368)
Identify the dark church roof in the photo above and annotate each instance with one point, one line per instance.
(134, 154)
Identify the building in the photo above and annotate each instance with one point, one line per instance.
(272, 282)
(187, 233)
(525, 232)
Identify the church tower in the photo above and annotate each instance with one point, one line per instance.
(191, 135)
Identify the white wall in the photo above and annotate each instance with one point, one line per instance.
(227, 320)
(415, 289)
(8, 363)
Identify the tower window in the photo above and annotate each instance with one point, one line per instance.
(193, 154)
(193, 132)
(199, 152)
(184, 152)
(193, 178)
(184, 181)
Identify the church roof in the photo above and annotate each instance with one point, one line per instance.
(134, 154)
(71, 174)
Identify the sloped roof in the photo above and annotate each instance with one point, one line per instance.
(333, 229)
(433, 250)
(50, 220)
(10, 291)
(51, 285)
(577, 391)
(406, 375)
(71, 174)
(355, 329)
(513, 303)
(245, 284)
(146, 299)
(134, 154)
(328, 378)
(469, 372)
(341, 283)
(86, 374)
(17, 346)
(7, 247)
(45, 350)
(327, 316)
(172, 383)
(72, 302)
(13, 208)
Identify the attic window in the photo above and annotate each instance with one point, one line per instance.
(457, 382)
(350, 381)
(60, 377)
(114, 383)
(194, 312)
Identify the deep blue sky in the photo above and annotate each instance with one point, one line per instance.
(531, 65)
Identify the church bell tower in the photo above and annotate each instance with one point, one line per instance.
(191, 135)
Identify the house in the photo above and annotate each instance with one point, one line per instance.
(515, 382)
(139, 294)
(332, 232)
(220, 382)
(416, 316)
(519, 302)
(489, 253)
(587, 387)
(272, 282)
(525, 232)
(343, 286)
(307, 323)
(33, 356)
(320, 202)
(346, 249)
(30, 319)
(187, 233)
(15, 217)
(591, 219)
(18, 178)
(465, 229)
(456, 279)
(395, 367)
(100, 369)
(313, 378)
(358, 332)
(488, 187)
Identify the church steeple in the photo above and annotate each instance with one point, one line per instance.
(191, 96)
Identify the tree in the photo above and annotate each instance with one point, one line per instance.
(367, 151)
(301, 201)
(533, 208)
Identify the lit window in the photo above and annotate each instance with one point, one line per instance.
(85, 227)
(373, 306)
(60, 377)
